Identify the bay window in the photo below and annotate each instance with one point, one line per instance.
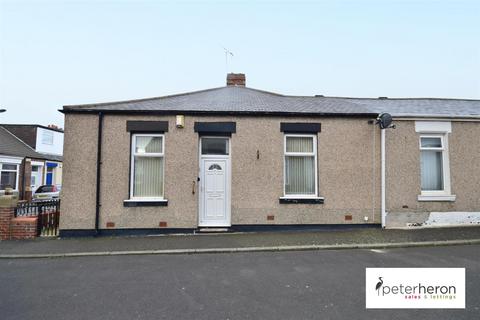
(300, 166)
(147, 166)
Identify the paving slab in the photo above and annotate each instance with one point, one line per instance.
(240, 241)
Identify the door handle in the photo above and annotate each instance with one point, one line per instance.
(193, 187)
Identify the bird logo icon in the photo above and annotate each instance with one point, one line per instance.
(379, 284)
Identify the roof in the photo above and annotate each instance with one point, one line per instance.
(32, 125)
(229, 100)
(244, 100)
(10, 145)
(410, 107)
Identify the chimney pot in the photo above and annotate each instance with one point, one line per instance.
(236, 79)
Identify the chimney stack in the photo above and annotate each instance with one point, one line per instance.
(236, 79)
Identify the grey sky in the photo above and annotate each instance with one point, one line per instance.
(63, 52)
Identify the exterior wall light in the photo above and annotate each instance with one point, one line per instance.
(180, 121)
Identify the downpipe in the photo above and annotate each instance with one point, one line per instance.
(99, 171)
(384, 120)
(382, 143)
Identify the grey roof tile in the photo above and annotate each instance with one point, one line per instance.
(233, 99)
(12, 146)
(230, 99)
(420, 106)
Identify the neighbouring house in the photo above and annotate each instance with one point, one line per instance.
(30, 156)
(238, 157)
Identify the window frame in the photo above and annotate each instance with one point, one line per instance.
(48, 137)
(17, 172)
(215, 155)
(299, 154)
(426, 195)
(134, 154)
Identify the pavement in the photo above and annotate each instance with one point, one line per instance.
(238, 242)
(321, 284)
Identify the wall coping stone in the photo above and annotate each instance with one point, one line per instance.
(24, 219)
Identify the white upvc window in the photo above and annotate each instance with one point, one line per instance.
(147, 167)
(434, 160)
(435, 168)
(300, 166)
(9, 176)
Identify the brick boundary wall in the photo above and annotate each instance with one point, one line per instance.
(6, 216)
(23, 228)
(12, 227)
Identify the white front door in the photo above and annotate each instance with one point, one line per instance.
(215, 185)
(36, 177)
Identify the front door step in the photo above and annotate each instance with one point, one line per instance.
(213, 230)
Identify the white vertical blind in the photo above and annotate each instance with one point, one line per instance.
(300, 175)
(431, 170)
(148, 173)
(300, 166)
(299, 144)
(145, 144)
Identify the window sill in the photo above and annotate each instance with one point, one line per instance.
(317, 200)
(145, 203)
(450, 198)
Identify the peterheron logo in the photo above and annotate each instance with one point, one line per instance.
(415, 288)
(379, 285)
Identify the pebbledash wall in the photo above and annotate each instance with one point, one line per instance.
(403, 176)
(348, 173)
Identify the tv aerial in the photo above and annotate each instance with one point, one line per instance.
(228, 54)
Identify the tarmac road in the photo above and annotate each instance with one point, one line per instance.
(326, 284)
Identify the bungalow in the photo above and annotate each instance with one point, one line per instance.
(236, 157)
